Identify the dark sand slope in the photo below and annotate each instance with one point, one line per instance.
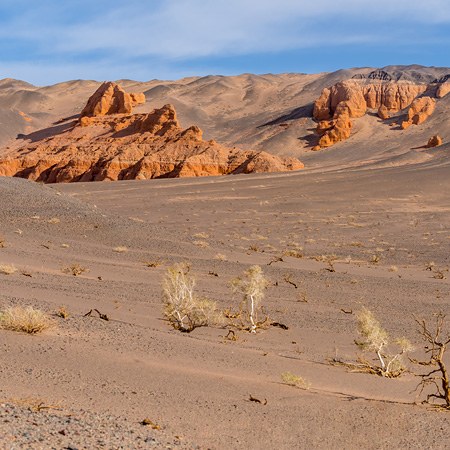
(197, 385)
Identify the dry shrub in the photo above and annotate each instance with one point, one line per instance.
(54, 220)
(25, 319)
(62, 312)
(252, 286)
(7, 269)
(184, 310)
(376, 339)
(438, 376)
(75, 270)
(295, 380)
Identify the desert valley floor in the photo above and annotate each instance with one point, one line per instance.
(366, 223)
(196, 386)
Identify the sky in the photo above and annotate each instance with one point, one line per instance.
(48, 41)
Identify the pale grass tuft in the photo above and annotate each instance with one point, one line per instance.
(54, 220)
(221, 257)
(27, 320)
(7, 269)
(202, 235)
(393, 269)
(120, 249)
(201, 244)
(294, 380)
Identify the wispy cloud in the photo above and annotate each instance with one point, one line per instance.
(118, 32)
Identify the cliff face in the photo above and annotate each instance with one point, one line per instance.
(351, 99)
(107, 142)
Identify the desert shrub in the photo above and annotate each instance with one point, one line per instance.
(376, 339)
(182, 308)
(75, 270)
(295, 380)
(439, 376)
(25, 319)
(252, 286)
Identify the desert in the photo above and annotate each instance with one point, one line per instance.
(359, 225)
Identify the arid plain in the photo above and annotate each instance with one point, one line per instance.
(366, 223)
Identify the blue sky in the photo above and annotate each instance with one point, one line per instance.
(46, 41)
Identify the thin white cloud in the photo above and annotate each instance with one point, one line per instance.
(196, 28)
(107, 39)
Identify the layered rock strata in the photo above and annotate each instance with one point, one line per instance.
(109, 144)
(351, 99)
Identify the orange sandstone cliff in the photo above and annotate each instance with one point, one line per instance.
(107, 142)
(351, 99)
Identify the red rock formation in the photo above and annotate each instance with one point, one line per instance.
(352, 98)
(110, 98)
(434, 141)
(420, 110)
(443, 90)
(109, 146)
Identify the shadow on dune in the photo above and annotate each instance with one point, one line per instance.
(298, 113)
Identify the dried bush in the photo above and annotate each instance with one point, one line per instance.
(184, 310)
(75, 270)
(25, 319)
(438, 377)
(376, 339)
(252, 286)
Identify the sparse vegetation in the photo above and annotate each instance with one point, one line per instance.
(54, 220)
(436, 346)
(202, 244)
(120, 249)
(252, 286)
(62, 312)
(153, 264)
(75, 270)
(7, 269)
(24, 319)
(376, 339)
(295, 380)
(184, 310)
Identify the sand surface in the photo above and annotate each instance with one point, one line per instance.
(376, 207)
(197, 385)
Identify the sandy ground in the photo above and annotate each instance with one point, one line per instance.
(361, 224)
(197, 386)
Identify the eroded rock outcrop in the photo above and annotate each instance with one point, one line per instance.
(419, 111)
(434, 141)
(110, 98)
(351, 99)
(443, 89)
(109, 144)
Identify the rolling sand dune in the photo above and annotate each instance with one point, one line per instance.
(366, 223)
